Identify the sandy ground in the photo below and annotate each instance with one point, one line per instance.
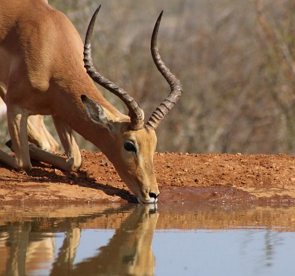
(183, 179)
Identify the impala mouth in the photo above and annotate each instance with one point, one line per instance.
(147, 200)
(142, 195)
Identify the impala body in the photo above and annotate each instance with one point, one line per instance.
(42, 72)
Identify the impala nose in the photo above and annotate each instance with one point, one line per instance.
(153, 195)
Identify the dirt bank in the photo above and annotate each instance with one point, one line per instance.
(183, 179)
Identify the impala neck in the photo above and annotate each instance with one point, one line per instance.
(71, 110)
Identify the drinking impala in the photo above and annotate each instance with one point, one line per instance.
(42, 72)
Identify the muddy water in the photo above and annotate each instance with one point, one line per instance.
(137, 240)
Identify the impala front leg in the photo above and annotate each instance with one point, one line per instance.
(73, 162)
(39, 135)
(17, 125)
(68, 142)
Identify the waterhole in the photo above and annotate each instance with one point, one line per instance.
(147, 240)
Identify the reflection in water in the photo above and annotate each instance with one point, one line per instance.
(127, 253)
(271, 241)
(61, 242)
(129, 249)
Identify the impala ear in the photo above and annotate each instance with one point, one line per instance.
(95, 112)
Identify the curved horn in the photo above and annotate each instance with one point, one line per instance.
(135, 112)
(175, 86)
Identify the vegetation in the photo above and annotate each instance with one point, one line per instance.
(235, 59)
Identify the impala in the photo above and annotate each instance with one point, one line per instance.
(42, 72)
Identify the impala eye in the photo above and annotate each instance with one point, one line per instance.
(130, 146)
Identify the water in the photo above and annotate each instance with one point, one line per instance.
(137, 240)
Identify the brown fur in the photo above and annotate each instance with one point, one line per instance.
(42, 71)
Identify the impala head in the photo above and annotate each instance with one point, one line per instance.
(133, 141)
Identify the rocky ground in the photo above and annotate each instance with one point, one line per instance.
(183, 178)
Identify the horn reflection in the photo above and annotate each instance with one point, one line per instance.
(33, 249)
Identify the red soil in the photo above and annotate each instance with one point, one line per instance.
(182, 178)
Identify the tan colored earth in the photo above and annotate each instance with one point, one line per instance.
(182, 178)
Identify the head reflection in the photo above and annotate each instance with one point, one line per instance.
(129, 251)
(31, 247)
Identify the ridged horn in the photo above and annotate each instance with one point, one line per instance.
(135, 112)
(175, 86)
